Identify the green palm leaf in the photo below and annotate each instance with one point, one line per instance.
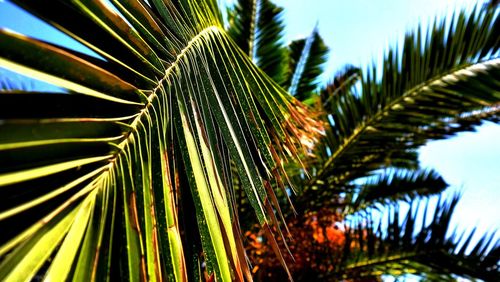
(419, 96)
(419, 246)
(260, 34)
(391, 186)
(243, 26)
(100, 183)
(257, 27)
(270, 53)
(306, 59)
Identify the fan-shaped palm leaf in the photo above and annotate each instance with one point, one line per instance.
(101, 182)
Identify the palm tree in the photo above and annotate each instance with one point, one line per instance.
(138, 171)
(443, 82)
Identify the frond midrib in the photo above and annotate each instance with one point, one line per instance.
(357, 132)
(168, 71)
(253, 29)
(418, 257)
(341, 87)
(383, 260)
(133, 126)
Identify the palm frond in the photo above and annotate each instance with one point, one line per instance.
(340, 86)
(306, 59)
(395, 185)
(270, 52)
(260, 34)
(418, 246)
(376, 191)
(434, 82)
(100, 183)
(242, 25)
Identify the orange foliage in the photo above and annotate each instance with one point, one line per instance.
(316, 241)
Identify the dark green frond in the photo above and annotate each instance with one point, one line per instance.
(394, 185)
(270, 52)
(420, 94)
(306, 59)
(243, 26)
(416, 245)
(260, 35)
(294, 54)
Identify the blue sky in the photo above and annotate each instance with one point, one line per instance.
(358, 32)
